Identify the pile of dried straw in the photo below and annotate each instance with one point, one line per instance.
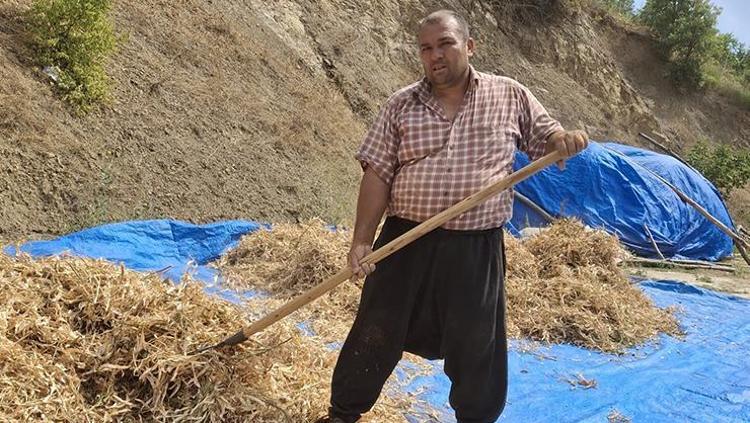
(84, 340)
(290, 259)
(563, 285)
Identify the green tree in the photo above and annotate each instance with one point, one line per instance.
(739, 59)
(732, 54)
(728, 69)
(686, 30)
(624, 7)
(727, 50)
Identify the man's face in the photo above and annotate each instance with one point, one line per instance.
(444, 53)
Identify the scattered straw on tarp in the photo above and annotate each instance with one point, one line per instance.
(573, 292)
(563, 285)
(84, 340)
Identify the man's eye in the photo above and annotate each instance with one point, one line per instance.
(426, 48)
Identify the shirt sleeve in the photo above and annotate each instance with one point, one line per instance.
(535, 124)
(379, 147)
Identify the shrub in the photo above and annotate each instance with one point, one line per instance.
(726, 167)
(75, 38)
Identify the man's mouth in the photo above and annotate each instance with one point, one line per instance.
(438, 68)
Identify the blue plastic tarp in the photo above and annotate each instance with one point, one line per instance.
(703, 378)
(612, 187)
(171, 247)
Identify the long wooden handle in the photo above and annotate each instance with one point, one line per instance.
(393, 246)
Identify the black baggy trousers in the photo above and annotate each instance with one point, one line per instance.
(441, 296)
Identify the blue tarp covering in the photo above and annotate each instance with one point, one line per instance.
(703, 378)
(610, 186)
(169, 245)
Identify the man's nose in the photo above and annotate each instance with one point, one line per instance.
(437, 53)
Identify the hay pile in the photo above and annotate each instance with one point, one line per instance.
(84, 340)
(287, 260)
(291, 259)
(563, 285)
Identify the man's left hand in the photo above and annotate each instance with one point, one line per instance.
(568, 143)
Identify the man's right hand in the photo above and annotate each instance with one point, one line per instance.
(356, 254)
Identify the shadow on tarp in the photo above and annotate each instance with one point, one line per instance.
(703, 378)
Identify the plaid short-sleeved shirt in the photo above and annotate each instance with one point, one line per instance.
(432, 163)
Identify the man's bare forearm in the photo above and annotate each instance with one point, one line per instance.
(371, 203)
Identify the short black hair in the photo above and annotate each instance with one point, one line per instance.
(443, 14)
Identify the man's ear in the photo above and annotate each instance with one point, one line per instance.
(470, 46)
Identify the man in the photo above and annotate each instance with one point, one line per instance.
(434, 143)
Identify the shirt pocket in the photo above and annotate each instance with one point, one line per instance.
(419, 140)
(492, 145)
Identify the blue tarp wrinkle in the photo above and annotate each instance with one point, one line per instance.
(703, 378)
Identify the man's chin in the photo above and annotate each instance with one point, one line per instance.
(438, 80)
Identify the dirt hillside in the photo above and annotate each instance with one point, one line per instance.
(252, 109)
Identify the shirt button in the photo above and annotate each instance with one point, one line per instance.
(445, 193)
(448, 170)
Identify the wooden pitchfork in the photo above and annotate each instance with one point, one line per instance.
(388, 249)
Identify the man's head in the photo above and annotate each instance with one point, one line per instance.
(445, 48)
